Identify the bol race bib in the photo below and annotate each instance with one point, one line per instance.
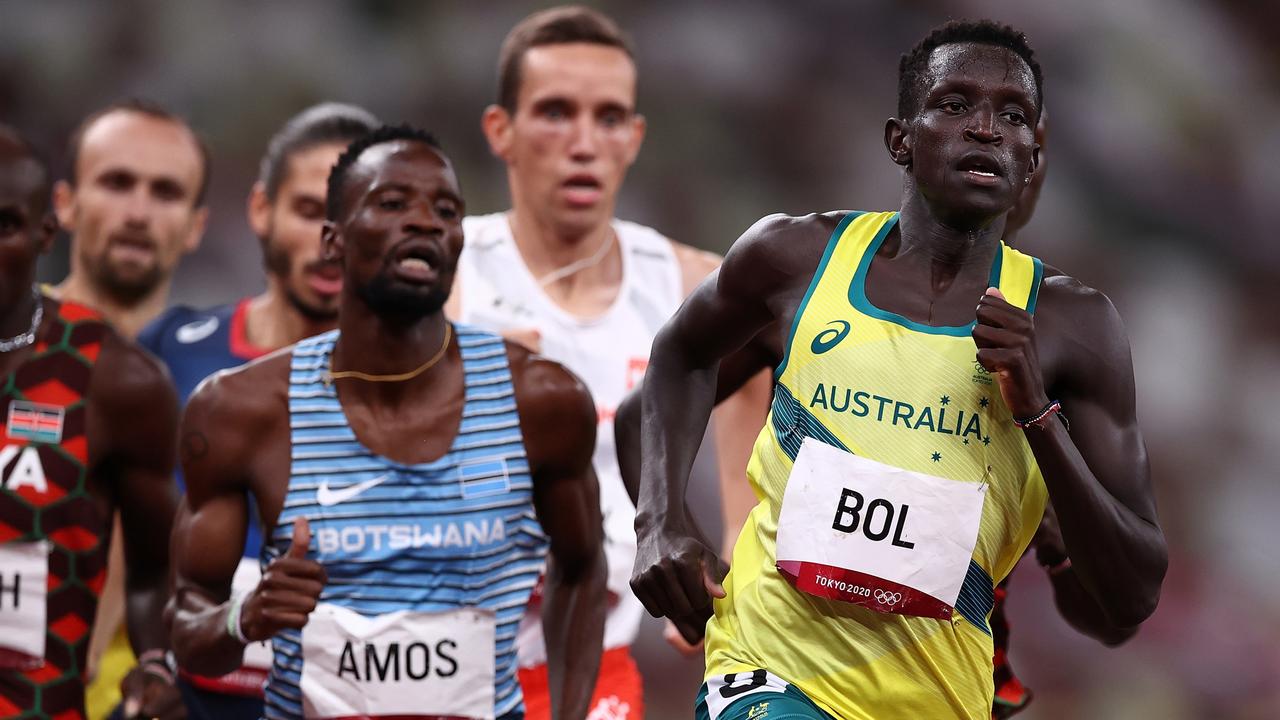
(24, 580)
(431, 666)
(874, 535)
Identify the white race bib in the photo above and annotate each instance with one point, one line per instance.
(24, 581)
(874, 535)
(408, 664)
(257, 655)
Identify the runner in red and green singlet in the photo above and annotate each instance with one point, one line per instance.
(88, 428)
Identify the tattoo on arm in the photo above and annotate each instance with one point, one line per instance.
(194, 446)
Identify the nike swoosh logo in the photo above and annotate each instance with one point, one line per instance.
(197, 331)
(327, 496)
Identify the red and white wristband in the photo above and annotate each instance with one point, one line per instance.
(1041, 419)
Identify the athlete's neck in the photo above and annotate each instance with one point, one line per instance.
(923, 238)
(272, 321)
(15, 320)
(376, 345)
(128, 318)
(546, 250)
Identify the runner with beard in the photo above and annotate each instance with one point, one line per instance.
(410, 475)
(286, 212)
(134, 205)
(89, 423)
(912, 439)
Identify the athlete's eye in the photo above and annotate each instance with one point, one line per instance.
(1016, 118)
(554, 110)
(167, 190)
(391, 202)
(10, 222)
(612, 118)
(952, 106)
(117, 180)
(447, 211)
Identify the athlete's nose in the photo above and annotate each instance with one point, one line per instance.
(137, 208)
(583, 142)
(982, 127)
(422, 219)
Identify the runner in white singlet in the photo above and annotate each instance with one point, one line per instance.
(560, 273)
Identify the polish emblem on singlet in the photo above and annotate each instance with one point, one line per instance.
(830, 337)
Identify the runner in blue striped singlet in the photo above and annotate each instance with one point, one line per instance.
(411, 476)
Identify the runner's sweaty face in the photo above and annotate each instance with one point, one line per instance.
(973, 140)
(574, 134)
(133, 207)
(24, 231)
(289, 228)
(401, 230)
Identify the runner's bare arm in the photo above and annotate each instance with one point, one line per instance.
(737, 419)
(675, 572)
(1097, 474)
(135, 416)
(558, 421)
(737, 498)
(228, 424)
(133, 423)
(1077, 606)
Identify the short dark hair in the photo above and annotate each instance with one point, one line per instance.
(321, 124)
(141, 107)
(384, 134)
(913, 68)
(556, 26)
(10, 136)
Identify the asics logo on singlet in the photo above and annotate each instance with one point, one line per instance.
(327, 496)
(196, 331)
(830, 337)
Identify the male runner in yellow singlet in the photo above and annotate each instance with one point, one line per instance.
(913, 440)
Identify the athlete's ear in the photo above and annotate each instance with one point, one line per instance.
(495, 121)
(331, 243)
(64, 205)
(1035, 162)
(897, 141)
(195, 231)
(47, 231)
(638, 127)
(258, 209)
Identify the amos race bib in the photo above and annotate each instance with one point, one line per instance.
(432, 666)
(874, 535)
(24, 580)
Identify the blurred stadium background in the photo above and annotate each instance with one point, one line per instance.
(1162, 192)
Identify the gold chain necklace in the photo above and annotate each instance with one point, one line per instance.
(330, 375)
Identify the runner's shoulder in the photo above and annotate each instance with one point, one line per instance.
(127, 378)
(249, 397)
(695, 264)
(780, 248)
(1082, 315)
(548, 392)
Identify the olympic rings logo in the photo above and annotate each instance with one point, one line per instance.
(888, 598)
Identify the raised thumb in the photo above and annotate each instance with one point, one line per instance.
(301, 539)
